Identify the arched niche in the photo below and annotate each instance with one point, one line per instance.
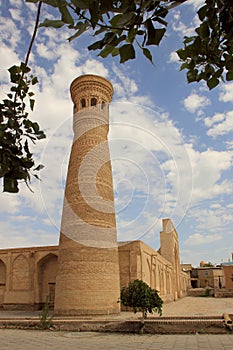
(20, 273)
(47, 271)
(2, 281)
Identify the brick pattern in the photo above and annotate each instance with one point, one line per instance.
(88, 275)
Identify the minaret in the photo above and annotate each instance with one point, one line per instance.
(88, 276)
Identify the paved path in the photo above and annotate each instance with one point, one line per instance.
(43, 340)
(46, 340)
(188, 306)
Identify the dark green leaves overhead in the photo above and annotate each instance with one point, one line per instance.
(119, 25)
(208, 55)
(117, 28)
(127, 52)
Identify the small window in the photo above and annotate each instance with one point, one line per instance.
(83, 102)
(102, 105)
(93, 101)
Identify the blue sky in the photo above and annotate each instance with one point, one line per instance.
(171, 143)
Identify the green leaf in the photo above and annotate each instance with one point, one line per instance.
(154, 36)
(94, 12)
(184, 65)
(39, 167)
(114, 20)
(26, 148)
(24, 68)
(147, 53)
(10, 185)
(127, 52)
(187, 39)
(82, 27)
(35, 127)
(182, 53)
(159, 20)
(212, 83)
(65, 14)
(229, 64)
(106, 51)
(34, 80)
(202, 12)
(124, 19)
(192, 75)
(131, 35)
(52, 23)
(51, 2)
(229, 76)
(82, 4)
(40, 135)
(115, 51)
(96, 46)
(203, 30)
(32, 103)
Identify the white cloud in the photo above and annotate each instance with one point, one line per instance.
(7, 59)
(24, 235)
(199, 239)
(9, 34)
(173, 57)
(16, 14)
(209, 121)
(223, 124)
(213, 219)
(229, 144)
(16, 3)
(226, 92)
(123, 85)
(208, 167)
(45, 51)
(195, 102)
(195, 3)
(181, 28)
(10, 202)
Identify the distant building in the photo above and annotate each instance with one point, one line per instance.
(228, 274)
(202, 277)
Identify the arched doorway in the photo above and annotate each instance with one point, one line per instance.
(47, 271)
(2, 281)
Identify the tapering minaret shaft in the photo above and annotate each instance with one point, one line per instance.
(88, 276)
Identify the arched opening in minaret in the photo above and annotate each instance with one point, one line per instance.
(102, 105)
(83, 102)
(93, 101)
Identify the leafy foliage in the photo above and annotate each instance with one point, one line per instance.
(119, 25)
(141, 297)
(16, 160)
(208, 55)
(16, 129)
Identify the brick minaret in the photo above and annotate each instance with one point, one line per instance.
(88, 276)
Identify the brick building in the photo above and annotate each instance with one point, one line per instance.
(28, 275)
